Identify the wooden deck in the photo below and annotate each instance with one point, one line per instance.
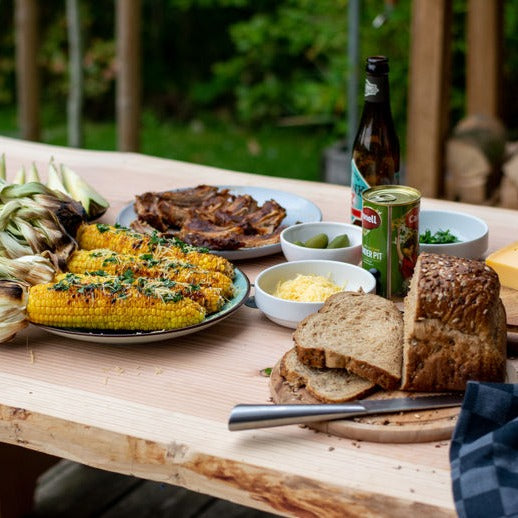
(71, 490)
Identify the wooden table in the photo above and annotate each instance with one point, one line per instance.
(159, 411)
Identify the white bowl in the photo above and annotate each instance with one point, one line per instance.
(303, 231)
(472, 232)
(289, 313)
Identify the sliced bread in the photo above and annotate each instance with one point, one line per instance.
(360, 332)
(327, 385)
(455, 325)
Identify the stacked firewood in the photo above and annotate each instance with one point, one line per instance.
(481, 166)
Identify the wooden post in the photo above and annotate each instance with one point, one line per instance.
(483, 57)
(75, 68)
(428, 105)
(128, 74)
(27, 84)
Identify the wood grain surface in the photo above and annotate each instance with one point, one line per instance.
(159, 411)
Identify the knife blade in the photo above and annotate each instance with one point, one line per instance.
(249, 416)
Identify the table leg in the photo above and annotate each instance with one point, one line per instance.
(19, 470)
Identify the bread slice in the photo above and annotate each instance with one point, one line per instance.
(360, 332)
(455, 325)
(327, 385)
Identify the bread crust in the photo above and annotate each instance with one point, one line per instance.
(454, 325)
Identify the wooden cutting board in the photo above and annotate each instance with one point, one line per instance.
(402, 427)
(510, 300)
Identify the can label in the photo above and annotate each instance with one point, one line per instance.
(390, 236)
(358, 186)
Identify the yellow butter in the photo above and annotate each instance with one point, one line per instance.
(505, 263)
(307, 288)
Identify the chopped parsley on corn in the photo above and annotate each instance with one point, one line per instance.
(125, 240)
(146, 265)
(110, 304)
(208, 297)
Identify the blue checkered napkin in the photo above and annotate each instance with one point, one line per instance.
(484, 452)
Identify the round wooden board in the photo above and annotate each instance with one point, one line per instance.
(510, 300)
(403, 427)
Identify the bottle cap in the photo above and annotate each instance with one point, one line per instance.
(377, 65)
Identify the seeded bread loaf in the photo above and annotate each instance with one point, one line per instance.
(360, 332)
(455, 325)
(327, 385)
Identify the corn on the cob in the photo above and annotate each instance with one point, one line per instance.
(109, 305)
(208, 297)
(146, 265)
(126, 241)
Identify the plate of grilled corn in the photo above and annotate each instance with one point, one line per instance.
(121, 286)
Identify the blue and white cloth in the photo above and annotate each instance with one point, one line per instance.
(484, 452)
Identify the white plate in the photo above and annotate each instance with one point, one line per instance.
(298, 210)
(241, 288)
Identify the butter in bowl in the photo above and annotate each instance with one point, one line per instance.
(312, 277)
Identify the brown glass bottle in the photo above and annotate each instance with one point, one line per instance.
(375, 153)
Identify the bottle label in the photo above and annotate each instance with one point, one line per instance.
(358, 185)
(376, 88)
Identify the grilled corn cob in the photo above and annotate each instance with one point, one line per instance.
(146, 265)
(126, 241)
(110, 305)
(208, 297)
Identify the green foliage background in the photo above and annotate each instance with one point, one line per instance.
(251, 69)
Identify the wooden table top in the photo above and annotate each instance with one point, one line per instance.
(159, 411)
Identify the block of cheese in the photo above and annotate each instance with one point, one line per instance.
(505, 264)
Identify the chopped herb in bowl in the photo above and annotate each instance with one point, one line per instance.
(441, 237)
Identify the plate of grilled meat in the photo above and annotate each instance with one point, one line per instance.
(236, 222)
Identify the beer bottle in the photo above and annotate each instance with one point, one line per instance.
(375, 153)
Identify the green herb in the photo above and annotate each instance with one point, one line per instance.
(266, 372)
(127, 276)
(102, 228)
(62, 285)
(98, 273)
(440, 237)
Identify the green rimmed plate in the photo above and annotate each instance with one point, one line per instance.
(241, 288)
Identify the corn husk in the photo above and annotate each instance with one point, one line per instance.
(32, 269)
(13, 304)
(29, 223)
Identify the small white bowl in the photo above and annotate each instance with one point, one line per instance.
(303, 231)
(289, 313)
(472, 232)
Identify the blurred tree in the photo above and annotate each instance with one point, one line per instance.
(257, 62)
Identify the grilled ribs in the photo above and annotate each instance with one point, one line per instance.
(210, 217)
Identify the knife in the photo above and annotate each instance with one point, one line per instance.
(247, 417)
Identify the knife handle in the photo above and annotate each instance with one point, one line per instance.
(248, 417)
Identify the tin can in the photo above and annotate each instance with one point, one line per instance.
(390, 236)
